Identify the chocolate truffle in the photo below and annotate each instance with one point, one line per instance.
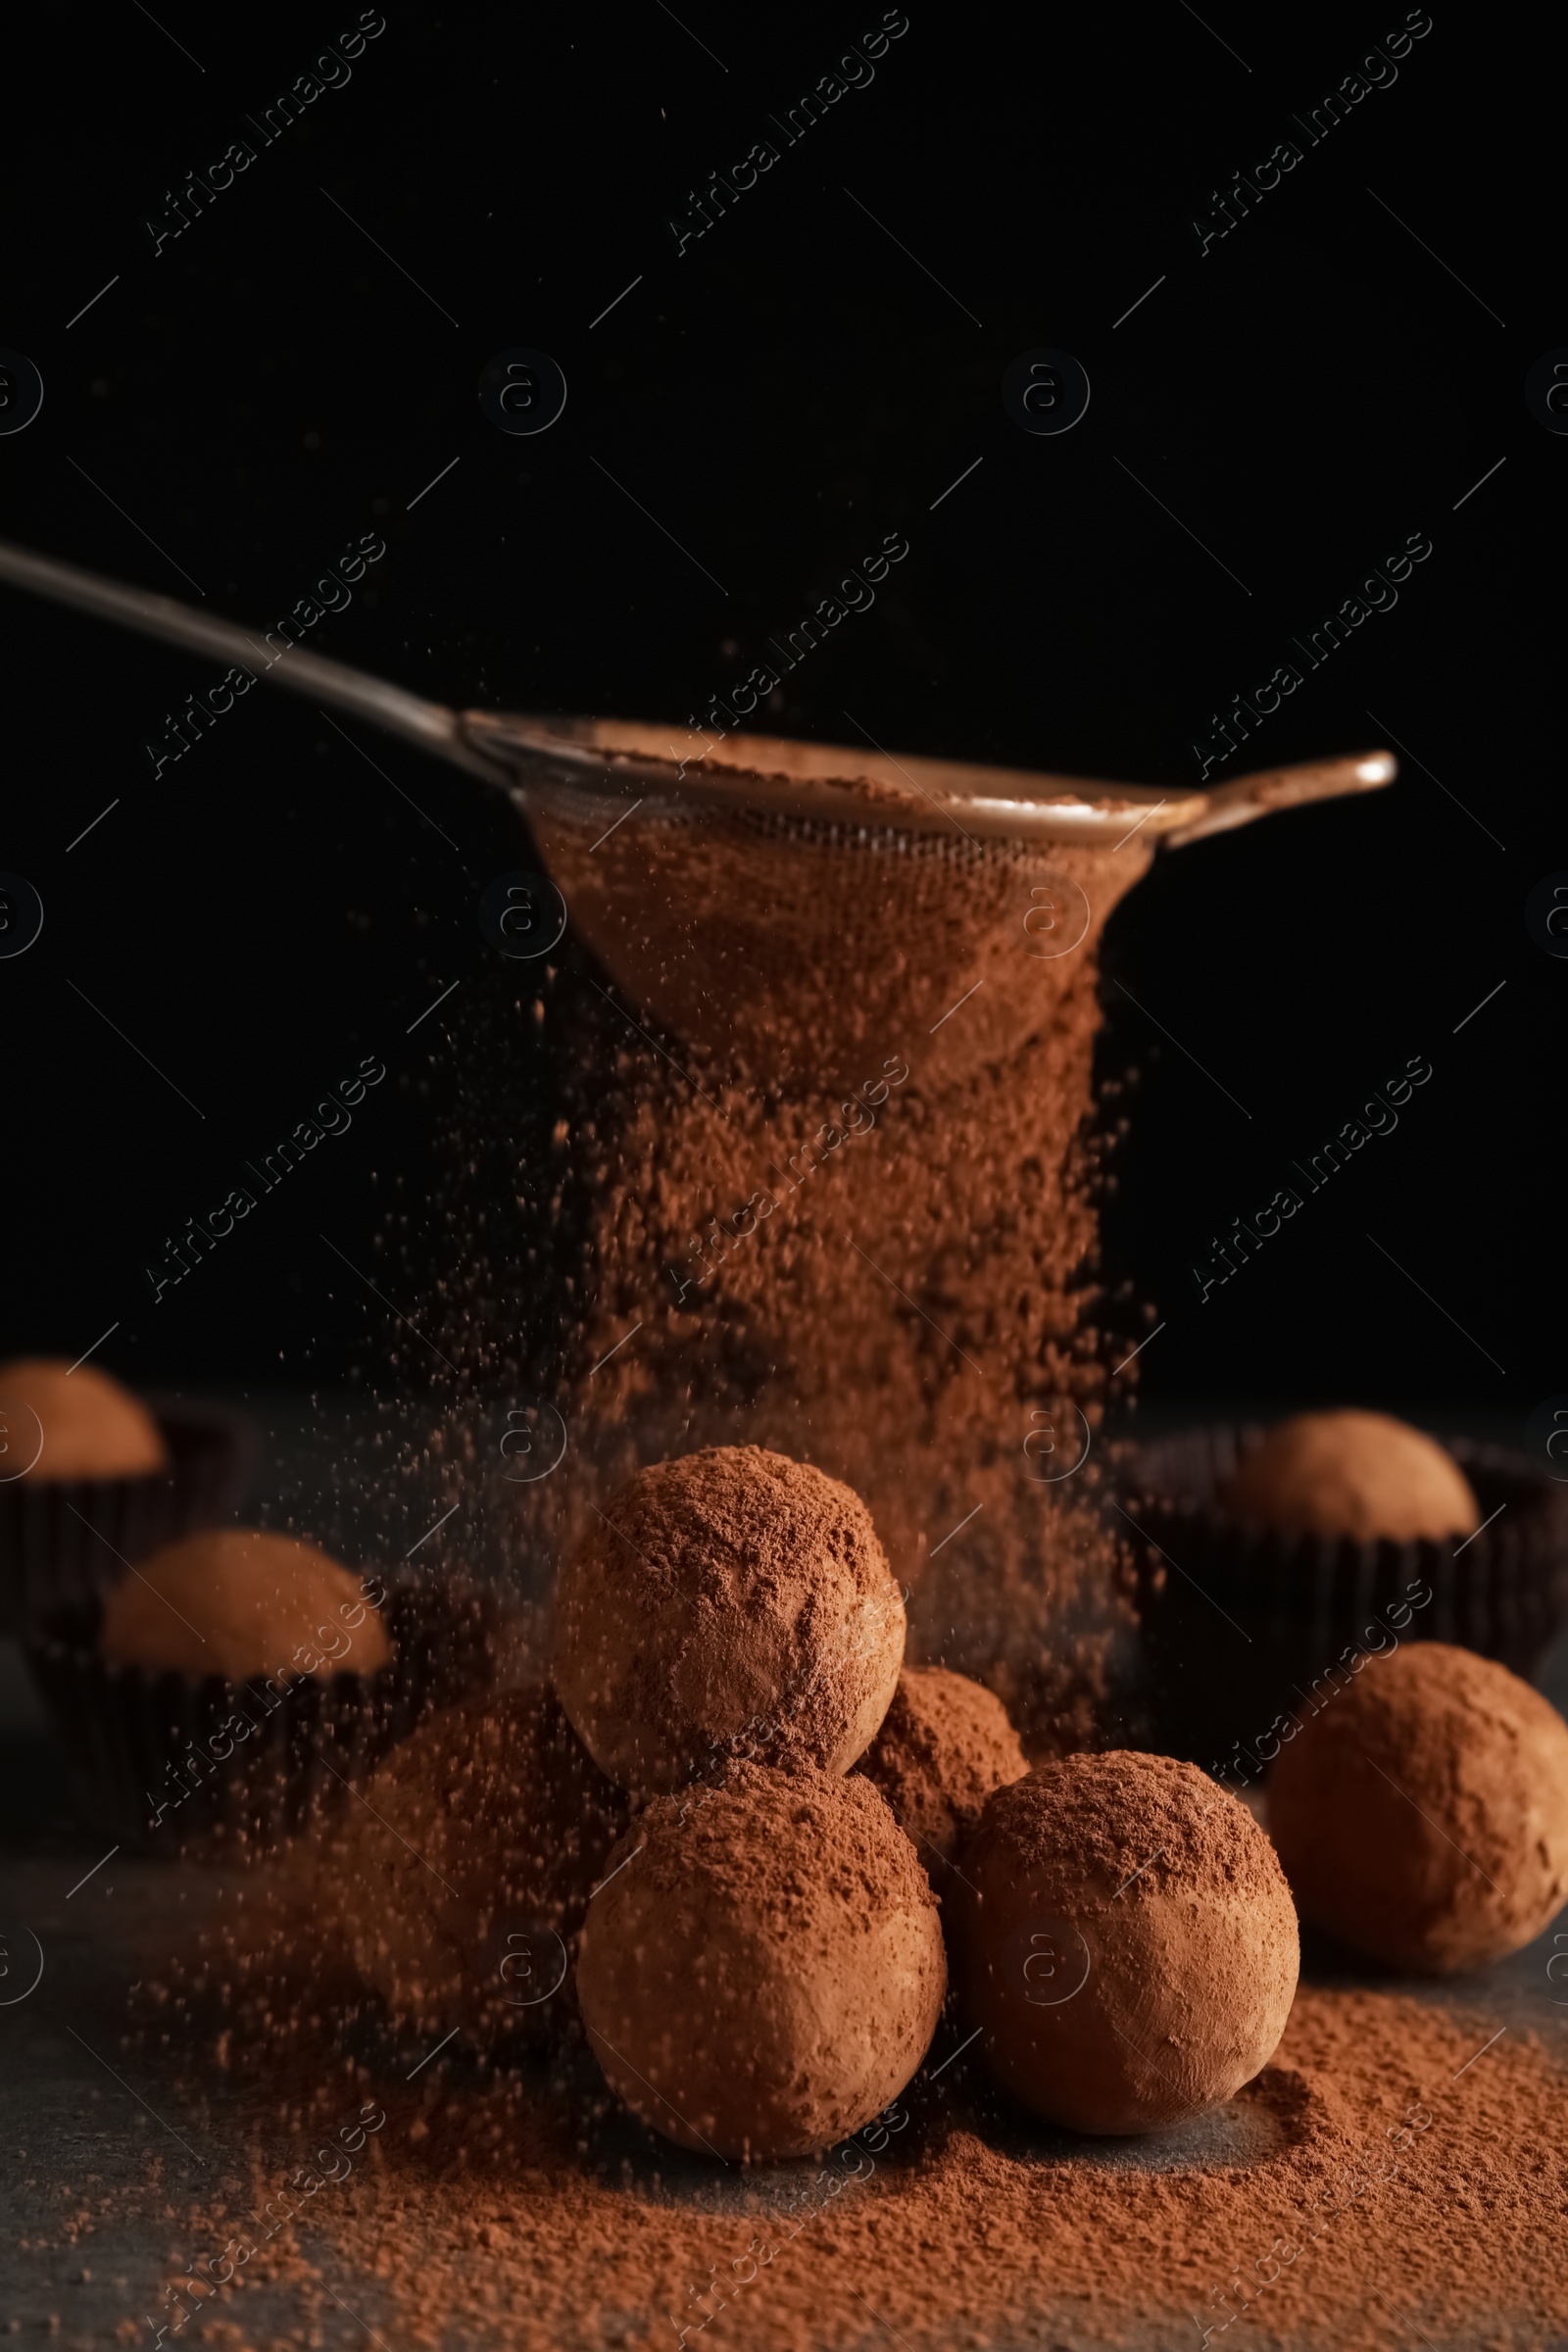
(461, 1881)
(1126, 1941)
(240, 1602)
(761, 1969)
(945, 1744)
(1421, 1813)
(731, 1602)
(1362, 1474)
(92, 1427)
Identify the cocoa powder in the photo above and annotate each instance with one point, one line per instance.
(1397, 2168)
(850, 1209)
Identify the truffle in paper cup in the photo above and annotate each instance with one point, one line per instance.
(166, 1762)
(66, 1540)
(1247, 1628)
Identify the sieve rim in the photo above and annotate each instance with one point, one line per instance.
(559, 764)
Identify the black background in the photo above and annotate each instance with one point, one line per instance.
(795, 385)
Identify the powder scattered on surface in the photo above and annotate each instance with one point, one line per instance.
(1397, 2168)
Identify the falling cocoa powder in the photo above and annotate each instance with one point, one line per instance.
(846, 1209)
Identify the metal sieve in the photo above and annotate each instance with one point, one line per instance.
(755, 857)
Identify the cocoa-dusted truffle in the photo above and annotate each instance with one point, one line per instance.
(461, 1881)
(1362, 1474)
(1422, 1813)
(763, 1969)
(92, 1427)
(240, 1601)
(945, 1744)
(732, 1601)
(1126, 1941)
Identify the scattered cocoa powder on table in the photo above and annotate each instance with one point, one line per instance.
(1404, 2181)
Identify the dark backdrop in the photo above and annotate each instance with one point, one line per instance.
(1279, 414)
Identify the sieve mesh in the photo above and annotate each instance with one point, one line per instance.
(797, 942)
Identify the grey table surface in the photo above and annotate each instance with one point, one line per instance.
(85, 2106)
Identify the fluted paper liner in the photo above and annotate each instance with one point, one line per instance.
(1244, 1624)
(167, 1762)
(65, 1542)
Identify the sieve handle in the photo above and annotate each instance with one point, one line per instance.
(429, 726)
(1245, 797)
(522, 756)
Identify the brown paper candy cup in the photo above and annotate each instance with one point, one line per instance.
(168, 1763)
(1244, 1624)
(64, 1541)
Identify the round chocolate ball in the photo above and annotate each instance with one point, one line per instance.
(1421, 1812)
(92, 1427)
(1126, 1941)
(731, 1602)
(242, 1601)
(460, 1884)
(761, 1969)
(1362, 1474)
(946, 1743)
